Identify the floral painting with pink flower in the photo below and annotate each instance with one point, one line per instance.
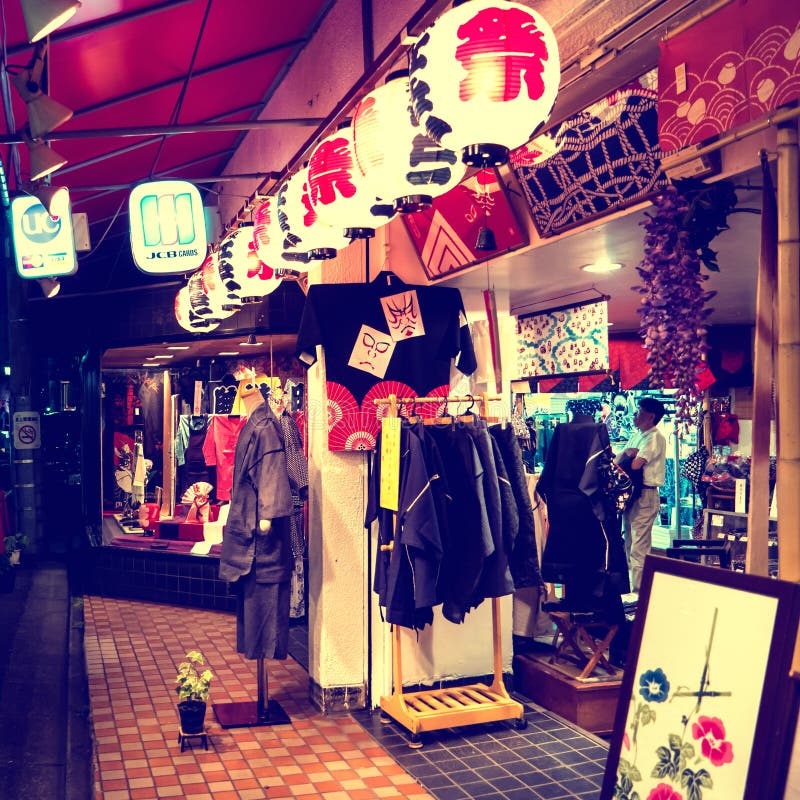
(686, 762)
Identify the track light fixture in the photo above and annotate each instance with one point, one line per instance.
(43, 159)
(50, 286)
(42, 17)
(44, 113)
(51, 197)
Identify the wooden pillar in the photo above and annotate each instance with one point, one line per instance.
(788, 477)
(757, 559)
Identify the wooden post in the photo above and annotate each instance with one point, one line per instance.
(788, 468)
(757, 559)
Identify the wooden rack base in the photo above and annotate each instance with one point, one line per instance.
(436, 709)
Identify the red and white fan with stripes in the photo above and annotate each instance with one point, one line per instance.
(341, 403)
(357, 431)
(381, 391)
(431, 410)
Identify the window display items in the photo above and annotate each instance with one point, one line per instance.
(307, 237)
(197, 497)
(242, 273)
(343, 196)
(484, 78)
(396, 154)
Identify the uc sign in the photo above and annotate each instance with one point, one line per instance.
(168, 227)
(43, 244)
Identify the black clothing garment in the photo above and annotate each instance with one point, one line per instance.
(636, 476)
(333, 316)
(260, 490)
(262, 617)
(524, 556)
(297, 470)
(470, 540)
(194, 468)
(151, 396)
(406, 575)
(584, 548)
(495, 579)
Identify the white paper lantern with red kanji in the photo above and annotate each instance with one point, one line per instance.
(242, 273)
(186, 317)
(306, 236)
(342, 196)
(221, 302)
(394, 151)
(268, 239)
(484, 78)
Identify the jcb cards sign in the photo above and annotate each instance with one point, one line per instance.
(43, 244)
(168, 227)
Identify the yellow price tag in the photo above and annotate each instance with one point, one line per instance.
(390, 462)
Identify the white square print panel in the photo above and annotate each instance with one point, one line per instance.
(372, 351)
(403, 315)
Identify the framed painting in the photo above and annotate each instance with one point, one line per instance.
(707, 708)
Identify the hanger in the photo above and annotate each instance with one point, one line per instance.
(446, 419)
(469, 415)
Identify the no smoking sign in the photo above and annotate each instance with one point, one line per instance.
(27, 431)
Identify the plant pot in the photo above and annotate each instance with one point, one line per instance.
(192, 714)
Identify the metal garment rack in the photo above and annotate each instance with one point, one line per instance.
(435, 709)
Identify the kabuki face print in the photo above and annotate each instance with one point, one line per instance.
(372, 351)
(403, 315)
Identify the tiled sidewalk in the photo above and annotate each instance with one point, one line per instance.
(132, 652)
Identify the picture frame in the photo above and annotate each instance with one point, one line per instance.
(707, 708)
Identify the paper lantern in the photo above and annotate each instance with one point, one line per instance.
(484, 78)
(394, 151)
(305, 235)
(241, 271)
(222, 302)
(186, 317)
(341, 195)
(269, 240)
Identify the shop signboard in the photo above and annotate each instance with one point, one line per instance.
(167, 227)
(27, 430)
(43, 243)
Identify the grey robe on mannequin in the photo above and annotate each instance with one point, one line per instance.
(256, 547)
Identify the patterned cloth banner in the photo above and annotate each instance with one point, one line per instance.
(445, 234)
(599, 161)
(570, 339)
(733, 67)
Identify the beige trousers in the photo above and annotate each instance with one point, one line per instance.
(638, 525)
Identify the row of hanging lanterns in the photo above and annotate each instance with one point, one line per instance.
(410, 141)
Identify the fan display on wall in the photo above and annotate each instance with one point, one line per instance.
(341, 403)
(382, 391)
(354, 432)
(432, 410)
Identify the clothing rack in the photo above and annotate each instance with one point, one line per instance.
(475, 704)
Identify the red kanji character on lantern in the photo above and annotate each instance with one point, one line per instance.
(507, 43)
(330, 170)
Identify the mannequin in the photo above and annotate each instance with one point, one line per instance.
(256, 556)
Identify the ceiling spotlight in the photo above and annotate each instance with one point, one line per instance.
(229, 353)
(50, 286)
(42, 17)
(603, 264)
(152, 358)
(52, 198)
(43, 159)
(44, 113)
(178, 347)
(251, 341)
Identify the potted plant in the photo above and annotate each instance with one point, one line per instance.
(9, 560)
(192, 686)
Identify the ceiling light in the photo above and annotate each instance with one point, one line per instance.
(178, 347)
(43, 159)
(151, 364)
(44, 113)
(42, 17)
(52, 198)
(50, 286)
(165, 356)
(602, 265)
(251, 341)
(229, 353)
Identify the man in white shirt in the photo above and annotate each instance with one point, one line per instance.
(647, 447)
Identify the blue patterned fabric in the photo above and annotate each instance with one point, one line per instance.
(599, 161)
